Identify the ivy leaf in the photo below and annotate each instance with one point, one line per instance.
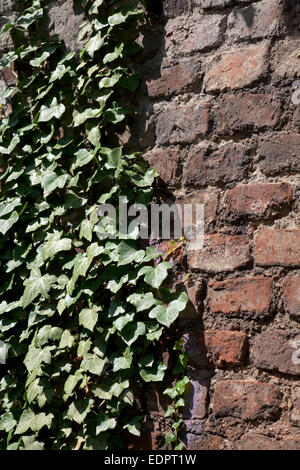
(156, 374)
(53, 110)
(52, 247)
(127, 253)
(12, 145)
(53, 181)
(81, 157)
(134, 426)
(88, 318)
(94, 44)
(6, 224)
(103, 423)
(35, 422)
(167, 315)
(71, 383)
(93, 364)
(155, 276)
(114, 55)
(80, 118)
(132, 331)
(37, 285)
(79, 409)
(7, 206)
(7, 422)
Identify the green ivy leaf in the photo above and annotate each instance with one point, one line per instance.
(88, 318)
(37, 285)
(155, 276)
(53, 110)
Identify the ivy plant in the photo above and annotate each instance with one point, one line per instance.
(80, 315)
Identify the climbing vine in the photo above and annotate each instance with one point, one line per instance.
(80, 316)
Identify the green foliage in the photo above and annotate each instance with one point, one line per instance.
(176, 393)
(79, 316)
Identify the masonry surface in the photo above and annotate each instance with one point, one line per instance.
(215, 117)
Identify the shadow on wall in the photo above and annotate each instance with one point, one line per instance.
(247, 14)
(291, 15)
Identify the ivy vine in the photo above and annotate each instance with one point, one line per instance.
(80, 317)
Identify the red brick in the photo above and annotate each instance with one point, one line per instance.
(220, 348)
(166, 162)
(211, 442)
(206, 167)
(244, 296)
(246, 400)
(182, 77)
(291, 295)
(226, 348)
(221, 253)
(276, 350)
(277, 247)
(236, 68)
(279, 153)
(183, 124)
(239, 112)
(257, 200)
(264, 19)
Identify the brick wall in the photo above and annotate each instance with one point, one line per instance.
(216, 119)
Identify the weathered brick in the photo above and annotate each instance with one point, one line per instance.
(210, 442)
(239, 112)
(166, 162)
(184, 76)
(9, 74)
(295, 396)
(219, 348)
(291, 295)
(225, 165)
(186, 35)
(236, 68)
(285, 61)
(279, 153)
(255, 441)
(264, 19)
(196, 397)
(221, 253)
(277, 247)
(208, 199)
(245, 296)
(226, 348)
(6, 7)
(257, 200)
(276, 350)
(246, 400)
(195, 289)
(183, 124)
(173, 8)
